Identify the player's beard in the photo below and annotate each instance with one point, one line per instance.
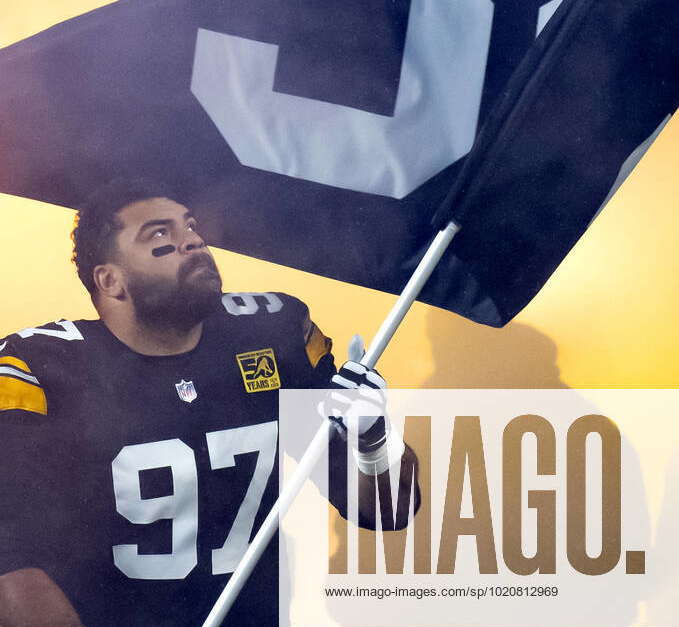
(179, 303)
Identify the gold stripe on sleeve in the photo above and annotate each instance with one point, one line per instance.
(17, 394)
(17, 363)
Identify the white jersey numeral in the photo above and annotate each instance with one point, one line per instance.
(182, 505)
(222, 446)
(70, 331)
(245, 303)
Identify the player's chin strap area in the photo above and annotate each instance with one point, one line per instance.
(320, 441)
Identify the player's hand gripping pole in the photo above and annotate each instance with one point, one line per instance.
(320, 441)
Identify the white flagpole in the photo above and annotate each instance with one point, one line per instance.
(320, 441)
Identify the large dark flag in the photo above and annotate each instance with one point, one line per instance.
(334, 136)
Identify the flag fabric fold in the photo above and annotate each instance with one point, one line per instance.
(325, 137)
(600, 79)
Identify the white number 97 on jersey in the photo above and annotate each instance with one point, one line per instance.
(181, 507)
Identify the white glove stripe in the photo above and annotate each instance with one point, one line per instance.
(372, 394)
(345, 383)
(373, 377)
(354, 366)
(338, 397)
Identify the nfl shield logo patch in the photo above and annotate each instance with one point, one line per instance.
(186, 390)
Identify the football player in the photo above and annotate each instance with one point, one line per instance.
(138, 451)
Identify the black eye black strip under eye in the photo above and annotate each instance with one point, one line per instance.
(163, 250)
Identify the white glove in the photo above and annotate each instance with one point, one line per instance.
(363, 412)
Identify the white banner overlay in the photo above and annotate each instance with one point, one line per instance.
(536, 507)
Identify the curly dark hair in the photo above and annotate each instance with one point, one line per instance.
(97, 222)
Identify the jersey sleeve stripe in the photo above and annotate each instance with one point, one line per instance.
(20, 374)
(18, 394)
(17, 363)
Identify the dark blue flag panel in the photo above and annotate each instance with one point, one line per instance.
(599, 80)
(325, 136)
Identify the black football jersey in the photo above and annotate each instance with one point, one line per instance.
(137, 482)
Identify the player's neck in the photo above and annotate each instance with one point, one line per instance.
(153, 340)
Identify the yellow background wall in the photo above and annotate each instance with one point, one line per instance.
(607, 318)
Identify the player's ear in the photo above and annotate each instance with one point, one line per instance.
(108, 278)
